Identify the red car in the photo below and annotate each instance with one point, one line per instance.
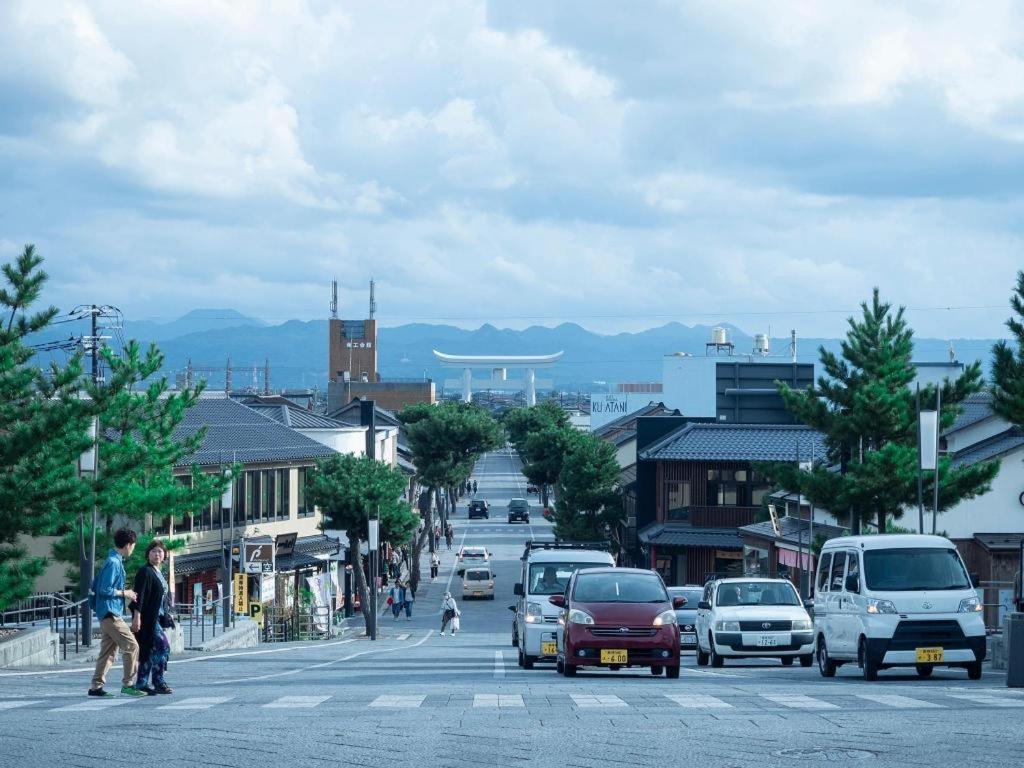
(618, 617)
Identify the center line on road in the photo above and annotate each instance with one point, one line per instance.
(499, 664)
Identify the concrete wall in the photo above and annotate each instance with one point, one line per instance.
(351, 440)
(998, 511)
(245, 634)
(30, 648)
(982, 430)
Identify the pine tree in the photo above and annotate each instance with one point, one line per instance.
(865, 407)
(588, 506)
(544, 455)
(1008, 364)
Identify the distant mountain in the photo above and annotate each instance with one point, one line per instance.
(297, 350)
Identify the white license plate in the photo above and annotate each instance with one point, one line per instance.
(688, 638)
(767, 641)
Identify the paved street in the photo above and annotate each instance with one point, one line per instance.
(415, 698)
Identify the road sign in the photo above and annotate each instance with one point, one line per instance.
(259, 558)
(256, 611)
(374, 534)
(241, 592)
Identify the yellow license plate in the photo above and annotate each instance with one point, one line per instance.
(549, 648)
(613, 657)
(930, 655)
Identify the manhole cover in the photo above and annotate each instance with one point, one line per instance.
(832, 754)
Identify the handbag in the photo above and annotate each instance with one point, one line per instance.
(390, 601)
(165, 621)
(455, 623)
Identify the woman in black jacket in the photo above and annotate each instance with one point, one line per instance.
(149, 620)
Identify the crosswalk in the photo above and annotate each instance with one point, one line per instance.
(689, 702)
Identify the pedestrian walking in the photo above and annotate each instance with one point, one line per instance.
(448, 539)
(150, 617)
(450, 613)
(408, 597)
(107, 600)
(437, 537)
(395, 564)
(474, 487)
(395, 600)
(435, 563)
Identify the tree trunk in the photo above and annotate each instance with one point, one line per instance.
(361, 586)
(544, 494)
(418, 539)
(881, 520)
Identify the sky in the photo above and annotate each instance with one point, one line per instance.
(614, 164)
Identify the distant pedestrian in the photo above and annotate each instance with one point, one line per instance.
(395, 599)
(108, 596)
(437, 537)
(435, 563)
(150, 618)
(474, 486)
(395, 564)
(408, 597)
(450, 613)
(448, 538)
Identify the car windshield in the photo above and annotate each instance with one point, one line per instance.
(757, 593)
(518, 505)
(473, 553)
(619, 588)
(915, 569)
(552, 578)
(478, 575)
(693, 596)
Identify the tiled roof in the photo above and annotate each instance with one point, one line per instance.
(738, 442)
(790, 530)
(1002, 541)
(976, 407)
(627, 476)
(995, 446)
(629, 420)
(350, 414)
(623, 437)
(236, 432)
(303, 556)
(669, 535)
(297, 418)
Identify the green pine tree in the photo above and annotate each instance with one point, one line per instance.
(1008, 364)
(588, 505)
(865, 406)
(544, 455)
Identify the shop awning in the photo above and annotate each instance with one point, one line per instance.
(667, 535)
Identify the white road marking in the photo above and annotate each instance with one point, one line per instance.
(899, 702)
(397, 701)
(92, 706)
(16, 704)
(989, 701)
(499, 664)
(798, 701)
(296, 702)
(597, 700)
(497, 700)
(699, 701)
(199, 702)
(403, 636)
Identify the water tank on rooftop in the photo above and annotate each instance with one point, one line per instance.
(761, 344)
(719, 335)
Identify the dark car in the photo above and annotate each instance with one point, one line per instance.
(686, 617)
(479, 508)
(618, 617)
(519, 509)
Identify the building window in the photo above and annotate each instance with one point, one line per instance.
(266, 495)
(305, 506)
(238, 499)
(185, 526)
(282, 493)
(677, 500)
(206, 518)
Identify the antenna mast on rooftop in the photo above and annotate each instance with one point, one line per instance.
(373, 301)
(334, 299)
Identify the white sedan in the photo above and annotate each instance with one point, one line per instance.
(750, 618)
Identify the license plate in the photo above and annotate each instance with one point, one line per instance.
(478, 594)
(549, 648)
(930, 655)
(688, 639)
(767, 641)
(613, 657)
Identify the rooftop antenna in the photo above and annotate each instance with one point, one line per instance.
(373, 301)
(334, 299)
(792, 344)
(952, 352)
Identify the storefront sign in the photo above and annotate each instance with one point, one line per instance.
(259, 558)
(241, 596)
(725, 554)
(267, 587)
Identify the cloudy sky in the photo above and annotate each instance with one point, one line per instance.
(617, 164)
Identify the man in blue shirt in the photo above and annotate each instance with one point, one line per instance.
(114, 632)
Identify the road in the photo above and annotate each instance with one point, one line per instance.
(414, 698)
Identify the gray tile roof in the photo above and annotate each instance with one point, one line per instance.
(993, 447)
(295, 417)
(629, 420)
(627, 476)
(306, 548)
(623, 437)
(791, 529)
(669, 535)
(976, 407)
(236, 432)
(350, 414)
(738, 442)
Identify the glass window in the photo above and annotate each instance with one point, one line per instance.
(478, 575)
(305, 506)
(619, 588)
(692, 595)
(283, 494)
(678, 495)
(838, 564)
(266, 481)
(853, 570)
(206, 518)
(824, 568)
(252, 485)
(164, 526)
(757, 593)
(238, 499)
(916, 569)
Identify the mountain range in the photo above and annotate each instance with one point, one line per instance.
(297, 350)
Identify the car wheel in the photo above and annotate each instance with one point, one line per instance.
(568, 670)
(826, 666)
(702, 658)
(528, 661)
(787, 661)
(868, 666)
(806, 660)
(520, 657)
(657, 670)
(974, 670)
(672, 673)
(716, 659)
(924, 670)
(559, 665)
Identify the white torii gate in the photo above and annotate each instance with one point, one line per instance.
(498, 363)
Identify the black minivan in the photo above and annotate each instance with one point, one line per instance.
(519, 509)
(478, 508)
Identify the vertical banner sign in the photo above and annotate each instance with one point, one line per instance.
(374, 534)
(929, 439)
(241, 593)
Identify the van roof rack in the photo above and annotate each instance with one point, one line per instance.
(535, 545)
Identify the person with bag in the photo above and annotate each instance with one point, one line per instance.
(435, 564)
(451, 614)
(150, 618)
(408, 597)
(107, 598)
(395, 599)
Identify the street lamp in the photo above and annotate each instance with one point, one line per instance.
(226, 503)
(928, 451)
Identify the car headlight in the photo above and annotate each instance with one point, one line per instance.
(970, 605)
(576, 616)
(533, 613)
(727, 626)
(802, 625)
(880, 606)
(665, 619)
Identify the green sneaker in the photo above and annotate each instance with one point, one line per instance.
(132, 691)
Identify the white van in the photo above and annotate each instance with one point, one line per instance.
(478, 581)
(546, 568)
(896, 600)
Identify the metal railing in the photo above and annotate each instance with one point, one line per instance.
(202, 617)
(56, 611)
(995, 607)
(299, 623)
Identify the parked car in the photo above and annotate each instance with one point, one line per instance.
(618, 617)
(478, 581)
(748, 617)
(686, 617)
(471, 556)
(519, 509)
(479, 508)
(896, 601)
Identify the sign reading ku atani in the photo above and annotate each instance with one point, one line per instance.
(605, 408)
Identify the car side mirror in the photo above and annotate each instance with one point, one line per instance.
(461, 571)
(557, 600)
(704, 605)
(678, 602)
(809, 606)
(512, 608)
(517, 590)
(852, 584)
(494, 575)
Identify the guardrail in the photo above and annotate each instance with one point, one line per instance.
(202, 616)
(56, 611)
